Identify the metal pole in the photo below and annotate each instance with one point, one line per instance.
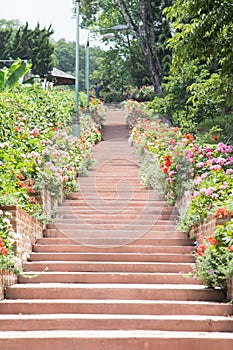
(88, 70)
(76, 122)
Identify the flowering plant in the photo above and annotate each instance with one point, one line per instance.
(8, 259)
(36, 146)
(214, 256)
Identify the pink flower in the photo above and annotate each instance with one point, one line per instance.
(197, 180)
(215, 167)
(223, 148)
(196, 194)
(207, 191)
(200, 165)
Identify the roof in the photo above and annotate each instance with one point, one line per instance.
(61, 78)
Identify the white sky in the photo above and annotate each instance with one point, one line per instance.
(58, 13)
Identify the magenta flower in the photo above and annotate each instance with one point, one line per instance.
(215, 167)
(200, 165)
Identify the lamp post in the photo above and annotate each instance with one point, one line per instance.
(76, 121)
(116, 28)
(87, 66)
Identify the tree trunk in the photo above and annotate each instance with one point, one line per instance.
(144, 32)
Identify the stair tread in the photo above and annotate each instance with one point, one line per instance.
(115, 316)
(114, 285)
(109, 334)
(114, 301)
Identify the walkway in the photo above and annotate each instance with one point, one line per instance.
(113, 270)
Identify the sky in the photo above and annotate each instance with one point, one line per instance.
(58, 13)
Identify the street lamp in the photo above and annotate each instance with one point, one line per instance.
(116, 28)
(76, 121)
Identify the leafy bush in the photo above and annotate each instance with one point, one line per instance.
(214, 256)
(144, 94)
(36, 145)
(8, 259)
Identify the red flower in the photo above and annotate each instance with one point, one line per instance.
(215, 137)
(201, 249)
(16, 129)
(212, 241)
(30, 182)
(200, 238)
(20, 177)
(3, 251)
(33, 200)
(188, 137)
(1, 243)
(221, 213)
(230, 248)
(22, 184)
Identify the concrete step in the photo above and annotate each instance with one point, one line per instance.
(92, 216)
(115, 339)
(100, 277)
(76, 248)
(126, 236)
(184, 323)
(107, 266)
(93, 306)
(149, 203)
(113, 291)
(113, 241)
(138, 220)
(149, 257)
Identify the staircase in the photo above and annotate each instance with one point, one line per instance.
(111, 273)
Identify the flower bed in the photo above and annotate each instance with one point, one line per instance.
(176, 163)
(37, 149)
(39, 163)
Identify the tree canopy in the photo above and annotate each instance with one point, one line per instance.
(146, 24)
(28, 44)
(200, 84)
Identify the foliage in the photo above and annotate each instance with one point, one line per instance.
(209, 20)
(213, 182)
(147, 26)
(49, 155)
(65, 52)
(214, 256)
(186, 163)
(8, 259)
(143, 94)
(10, 77)
(199, 86)
(172, 162)
(28, 44)
(192, 94)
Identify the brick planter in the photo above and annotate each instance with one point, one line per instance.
(29, 228)
(48, 202)
(229, 286)
(7, 278)
(207, 227)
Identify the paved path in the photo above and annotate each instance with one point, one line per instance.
(118, 205)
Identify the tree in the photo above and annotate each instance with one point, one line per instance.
(204, 31)
(36, 46)
(29, 44)
(65, 54)
(7, 32)
(200, 82)
(146, 23)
